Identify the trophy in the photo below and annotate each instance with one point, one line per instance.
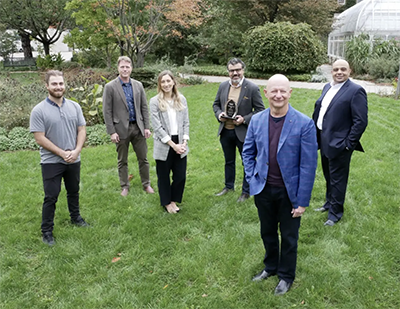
(230, 110)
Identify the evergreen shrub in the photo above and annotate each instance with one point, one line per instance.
(283, 47)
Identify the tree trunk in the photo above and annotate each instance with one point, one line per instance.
(46, 47)
(398, 86)
(26, 45)
(140, 59)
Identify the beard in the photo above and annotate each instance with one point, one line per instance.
(56, 94)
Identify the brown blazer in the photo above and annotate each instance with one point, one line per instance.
(115, 108)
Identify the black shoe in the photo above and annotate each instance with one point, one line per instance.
(262, 275)
(329, 223)
(322, 209)
(80, 222)
(243, 197)
(282, 287)
(224, 191)
(48, 239)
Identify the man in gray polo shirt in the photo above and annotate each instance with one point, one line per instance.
(60, 130)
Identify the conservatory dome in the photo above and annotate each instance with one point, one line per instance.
(377, 18)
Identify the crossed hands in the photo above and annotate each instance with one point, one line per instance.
(70, 156)
(180, 148)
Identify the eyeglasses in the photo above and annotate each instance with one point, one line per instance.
(235, 70)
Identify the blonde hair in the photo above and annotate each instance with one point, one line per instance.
(162, 103)
(124, 58)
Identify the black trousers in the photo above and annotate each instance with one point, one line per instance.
(229, 142)
(274, 209)
(336, 173)
(171, 192)
(52, 175)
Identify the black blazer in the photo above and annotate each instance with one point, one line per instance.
(344, 121)
(250, 103)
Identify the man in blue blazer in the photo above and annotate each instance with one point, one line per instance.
(341, 117)
(244, 97)
(280, 156)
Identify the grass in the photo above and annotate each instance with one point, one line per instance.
(205, 256)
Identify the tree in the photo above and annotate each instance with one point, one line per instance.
(317, 13)
(26, 44)
(7, 42)
(93, 32)
(35, 17)
(137, 24)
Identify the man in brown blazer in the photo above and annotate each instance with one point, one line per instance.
(126, 116)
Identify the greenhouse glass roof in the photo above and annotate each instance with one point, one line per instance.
(374, 17)
(377, 18)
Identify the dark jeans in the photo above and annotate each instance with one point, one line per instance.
(274, 208)
(229, 142)
(171, 192)
(52, 175)
(336, 173)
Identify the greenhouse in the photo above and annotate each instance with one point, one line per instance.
(377, 18)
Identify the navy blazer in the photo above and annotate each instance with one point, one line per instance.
(345, 119)
(297, 155)
(250, 102)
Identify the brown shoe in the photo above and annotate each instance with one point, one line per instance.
(149, 190)
(124, 192)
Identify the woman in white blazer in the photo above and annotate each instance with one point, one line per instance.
(170, 122)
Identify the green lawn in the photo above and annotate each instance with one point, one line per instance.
(205, 256)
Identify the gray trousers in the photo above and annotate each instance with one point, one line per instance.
(139, 145)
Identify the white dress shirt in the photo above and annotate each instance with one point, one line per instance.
(326, 101)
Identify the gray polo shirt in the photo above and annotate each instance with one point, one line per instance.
(60, 125)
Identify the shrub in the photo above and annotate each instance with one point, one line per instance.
(97, 135)
(4, 142)
(385, 67)
(19, 132)
(192, 80)
(95, 57)
(17, 101)
(377, 57)
(283, 47)
(3, 132)
(18, 144)
(79, 77)
(49, 62)
(90, 98)
(358, 53)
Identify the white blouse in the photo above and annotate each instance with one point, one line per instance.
(172, 118)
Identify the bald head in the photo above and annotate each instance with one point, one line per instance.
(340, 71)
(278, 94)
(341, 62)
(278, 79)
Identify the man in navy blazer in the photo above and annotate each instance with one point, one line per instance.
(246, 98)
(341, 117)
(280, 155)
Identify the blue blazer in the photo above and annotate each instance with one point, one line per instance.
(297, 155)
(345, 119)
